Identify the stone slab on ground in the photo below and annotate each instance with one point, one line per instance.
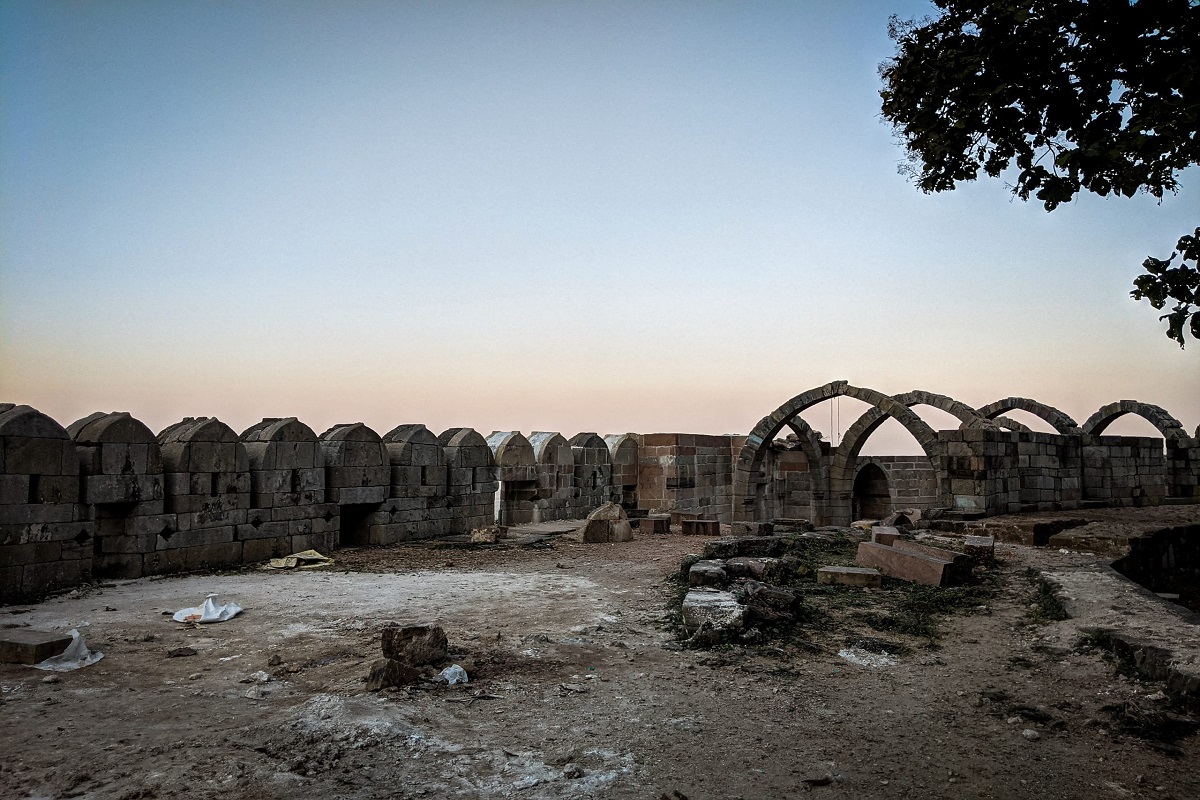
(29, 646)
(1157, 638)
(906, 565)
(850, 576)
(700, 527)
(716, 609)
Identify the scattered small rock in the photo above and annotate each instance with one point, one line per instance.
(51, 679)
(180, 652)
(1031, 734)
(573, 771)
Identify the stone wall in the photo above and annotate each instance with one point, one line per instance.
(911, 480)
(687, 472)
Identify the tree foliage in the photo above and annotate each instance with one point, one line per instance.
(1096, 95)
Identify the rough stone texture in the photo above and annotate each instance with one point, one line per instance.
(591, 475)
(700, 527)
(708, 573)
(712, 608)
(556, 476)
(769, 604)
(688, 472)
(415, 645)
(658, 524)
(27, 646)
(850, 576)
(905, 564)
(623, 456)
(386, 672)
(418, 506)
(45, 534)
(516, 470)
(471, 480)
(756, 568)
(884, 534)
(980, 549)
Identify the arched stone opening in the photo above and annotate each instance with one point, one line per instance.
(1170, 428)
(122, 489)
(872, 496)
(1058, 420)
(623, 453)
(592, 476)
(749, 472)
(516, 470)
(357, 479)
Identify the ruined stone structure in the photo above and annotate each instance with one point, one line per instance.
(107, 498)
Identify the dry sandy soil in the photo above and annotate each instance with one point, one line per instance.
(578, 689)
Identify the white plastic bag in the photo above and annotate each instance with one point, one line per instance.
(208, 612)
(453, 674)
(75, 656)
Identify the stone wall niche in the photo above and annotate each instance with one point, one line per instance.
(516, 469)
(471, 480)
(358, 477)
(592, 477)
(623, 456)
(45, 537)
(121, 476)
(206, 485)
(289, 512)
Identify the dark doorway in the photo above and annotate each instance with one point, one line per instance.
(872, 500)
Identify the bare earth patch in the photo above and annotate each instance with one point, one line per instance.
(579, 689)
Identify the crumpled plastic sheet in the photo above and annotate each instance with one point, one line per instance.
(75, 656)
(453, 674)
(208, 612)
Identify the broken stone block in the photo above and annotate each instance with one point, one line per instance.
(850, 576)
(621, 531)
(608, 511)
(789, 525)
(980, 549)
(884, 534)
(707, 573)
(27, 646)
(700, 527)
(753, 528)
(906, 565)
(960, 562)
(743, 567)
(762, 546)
(713, 609)
(721, 548)
(688, 561)
(415, 645)
(387, 672)
(485, 536)
(767, 603)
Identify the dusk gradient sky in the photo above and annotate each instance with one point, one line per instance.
(602, 216)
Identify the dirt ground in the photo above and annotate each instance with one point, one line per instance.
(579, 689)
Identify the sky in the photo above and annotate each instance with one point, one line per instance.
(584, 216)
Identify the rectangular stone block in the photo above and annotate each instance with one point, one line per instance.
(660, 524)
(904, 564)
(29, 646)
(700, 527)
(884, 534)
(850, 576)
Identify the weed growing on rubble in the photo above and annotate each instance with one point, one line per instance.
(1045, 605)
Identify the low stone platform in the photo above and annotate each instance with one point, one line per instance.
(1157, 638)
(29, 646)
